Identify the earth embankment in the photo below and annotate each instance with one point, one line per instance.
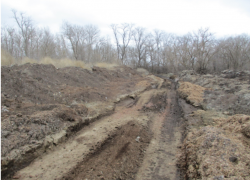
(72, 123)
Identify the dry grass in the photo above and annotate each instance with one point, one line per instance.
(7, 60)
(191, 92)
(142, 71)
(202, 118)
(64, 63)
(106, 65)
(27, 60)
(234, 124)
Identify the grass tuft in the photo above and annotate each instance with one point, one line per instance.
(106, 65)
(6, 58)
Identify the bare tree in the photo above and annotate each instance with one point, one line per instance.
(27, 29)
(140, 39)
(235, 51)
(62, 50)
(158, 37)
(47, 44)
(92, 35)
(186, 51)
(204, 44)
(76, 36)
(157, 51)
(123, 35)
(8, 39)
(105, 50)
(151, 51)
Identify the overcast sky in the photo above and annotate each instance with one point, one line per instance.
(223, 17)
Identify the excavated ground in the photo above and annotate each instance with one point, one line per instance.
(72, 123)
(217, 125)
(119, 123)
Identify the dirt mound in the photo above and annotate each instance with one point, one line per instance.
(231, 95)
(219, 152)
(43, 105)
(191, 92)
(217, 144)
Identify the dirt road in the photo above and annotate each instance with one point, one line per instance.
(109, 124)
(138, 141)
(160, 159)
(121, 123)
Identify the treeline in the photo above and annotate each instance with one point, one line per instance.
(134, 46)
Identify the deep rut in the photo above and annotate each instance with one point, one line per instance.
(160, 160)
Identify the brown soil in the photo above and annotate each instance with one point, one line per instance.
(121, 123)
(161, 157)
(119, 157)
(216, 145)
(72, 123)
(42, 105)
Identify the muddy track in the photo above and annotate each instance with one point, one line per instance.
(160, 161)
(139, 140)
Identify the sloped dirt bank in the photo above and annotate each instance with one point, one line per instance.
(218, 152)
(139, 140)
(127, 129)
(118, 157)
(217, 142)
(43, 106)
(224, 93)
(99, 124)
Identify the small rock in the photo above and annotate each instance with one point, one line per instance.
(19, 115)
(218, 177)
(137, 139)
(233, 159)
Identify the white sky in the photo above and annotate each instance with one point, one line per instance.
(223, 17)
